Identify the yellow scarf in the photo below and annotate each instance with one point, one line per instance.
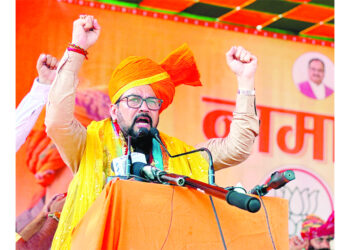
(102, 146)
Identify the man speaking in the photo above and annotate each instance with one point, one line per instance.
(139, 89)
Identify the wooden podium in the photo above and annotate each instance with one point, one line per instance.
(138, 215)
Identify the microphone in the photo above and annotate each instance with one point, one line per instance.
(243, 201)
(156, 175)
(145, 171)
(154, 132)
(142, 132)
(120, 164)
(150, 173)
(276, 181)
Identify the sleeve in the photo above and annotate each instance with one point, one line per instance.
(68, 134)
(237, 145)
(41, 239)
(29, 110)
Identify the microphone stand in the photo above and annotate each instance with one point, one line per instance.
(128, 161)
(233, 198)
(277, 180)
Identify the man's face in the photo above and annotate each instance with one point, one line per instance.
(320, 243)
(316, 71)
(135, 118)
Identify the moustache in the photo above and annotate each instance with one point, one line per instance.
(142, 116)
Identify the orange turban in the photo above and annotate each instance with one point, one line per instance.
(177, 68)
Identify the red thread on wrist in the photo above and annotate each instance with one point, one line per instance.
(77, 49)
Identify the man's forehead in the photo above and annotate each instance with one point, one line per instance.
(144, 91)
(316, 63)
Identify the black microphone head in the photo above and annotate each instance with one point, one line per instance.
(254, 205)
(154, 132)
(243, 201)
(136, 168)
(143, 132)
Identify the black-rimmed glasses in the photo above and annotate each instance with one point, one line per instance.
(136, 101)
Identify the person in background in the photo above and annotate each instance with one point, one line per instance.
(38, 234)
(315, 234)
(30, 107)
(315, 87)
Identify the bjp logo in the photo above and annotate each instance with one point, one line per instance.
(307, 194)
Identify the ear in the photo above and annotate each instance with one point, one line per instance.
(113, 108)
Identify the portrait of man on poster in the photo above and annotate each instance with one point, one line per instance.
(315, 86)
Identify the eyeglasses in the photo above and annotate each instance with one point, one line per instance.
(136, 101)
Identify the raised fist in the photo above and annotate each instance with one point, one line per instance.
(242, 63)
(86, 31)
(46, 67)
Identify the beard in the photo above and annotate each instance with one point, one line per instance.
(141, 140)
(312, 248)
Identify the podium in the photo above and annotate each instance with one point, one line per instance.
(138, 215)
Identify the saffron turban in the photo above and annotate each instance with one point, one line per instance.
(177, 68)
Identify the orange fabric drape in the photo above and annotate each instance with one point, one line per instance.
(136, 215)
(43, 159)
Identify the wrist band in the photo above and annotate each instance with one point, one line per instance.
(246, 92)
(55, 215)
(77, 49)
